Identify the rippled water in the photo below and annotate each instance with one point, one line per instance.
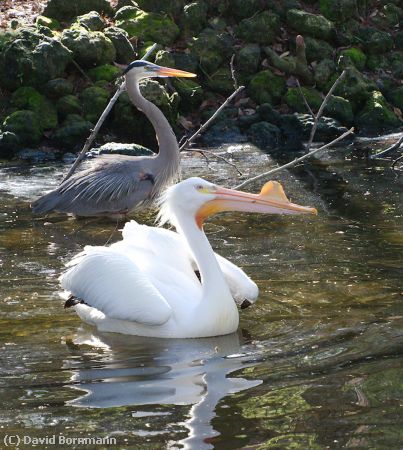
(317, 362)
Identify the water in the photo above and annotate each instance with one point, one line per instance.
(317, 362)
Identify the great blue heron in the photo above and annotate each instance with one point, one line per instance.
(136, 286)
(114, 185)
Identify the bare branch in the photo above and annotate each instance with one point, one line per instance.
(321, 109)
(100, 122)
(294, 162)
(206, 124)
(231, 65)
(395, 162)
(395, 146)
(305, 100)
(222, 158)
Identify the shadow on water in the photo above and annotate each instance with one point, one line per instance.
(319, 367)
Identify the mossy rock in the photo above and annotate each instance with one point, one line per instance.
(146, 26)
(377, 62)
(221, 81)
(6, 36)
(317, 49)
(295, 101)
(375, 41)
(396, 64)
(242, 9)
(266, 87)
(355, 87)
(64, 10)
(120, 39)
(171, 7)
(261, 28)
(105, 72)
(264, 135)
(91, 21)
(339, 108)
(267, 113)
(211, 49)
(186, 61)
(376, 115)
(389, 16)
(69, 104)
(194, 17)
(25, 125)
(157, 94)
(310, 24)
(398, 40)
(356, 56)
(58, 87)
(396, 97)
(338, 10)
(73, 131)
(48, 22)
(94, 100)
(28, 98)
(248, 59)
(117, 148)
(31, 59)
(90, 48)
(323, 72)
(9, 143)
(190, 94)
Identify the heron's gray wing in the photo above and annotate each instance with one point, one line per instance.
(113, 183)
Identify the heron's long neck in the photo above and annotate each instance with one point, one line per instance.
(168, 155)
(216, 296)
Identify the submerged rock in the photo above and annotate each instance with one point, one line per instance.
(89, 48)
(31, 59)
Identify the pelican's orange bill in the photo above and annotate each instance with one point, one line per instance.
(270, 200)
(169, 72)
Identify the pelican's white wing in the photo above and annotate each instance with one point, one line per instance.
(113, 283)
(172, 251)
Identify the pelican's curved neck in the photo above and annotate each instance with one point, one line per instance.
(217, 308)
(168, 145)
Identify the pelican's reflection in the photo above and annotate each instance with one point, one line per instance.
(144, 371)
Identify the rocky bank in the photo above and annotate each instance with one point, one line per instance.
(57, 75)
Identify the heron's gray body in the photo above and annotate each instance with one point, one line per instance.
(117, 184)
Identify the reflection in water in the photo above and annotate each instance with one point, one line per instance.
(146, 371)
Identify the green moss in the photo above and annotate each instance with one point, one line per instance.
(69, 104)
(94, 100)
(310, 24)
(294, 99)
(164, 58)
(356, 56)
(265, 87)
(25, 125)
(339, 108)
(194, 17)
(260, 28)
(53, 24)
(73, 131)
(29, 98)
(221, 81)
(323, 72)
(105, 72)
(316, 49)
(375, 41)
(248, 59)
(190, 94)
(376, 115)
(355, 87)
(120, 39)
(338, 10)
(58, 88)
(90, 48)
(397, 97)
(148, 26)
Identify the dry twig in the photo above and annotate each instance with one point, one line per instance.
(313, 131)
(100, 122)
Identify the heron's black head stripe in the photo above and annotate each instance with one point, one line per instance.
(134, 64)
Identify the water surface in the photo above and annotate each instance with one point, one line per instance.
(317, 362)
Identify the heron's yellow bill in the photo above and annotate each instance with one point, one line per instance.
(169, 72)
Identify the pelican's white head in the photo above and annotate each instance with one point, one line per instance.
(200, 199)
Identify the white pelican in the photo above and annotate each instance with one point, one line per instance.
(146, 284)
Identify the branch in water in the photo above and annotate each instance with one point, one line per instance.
(395, 146)
(100, 122)
(204, 152)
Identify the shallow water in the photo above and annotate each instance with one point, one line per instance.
(317, 362)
